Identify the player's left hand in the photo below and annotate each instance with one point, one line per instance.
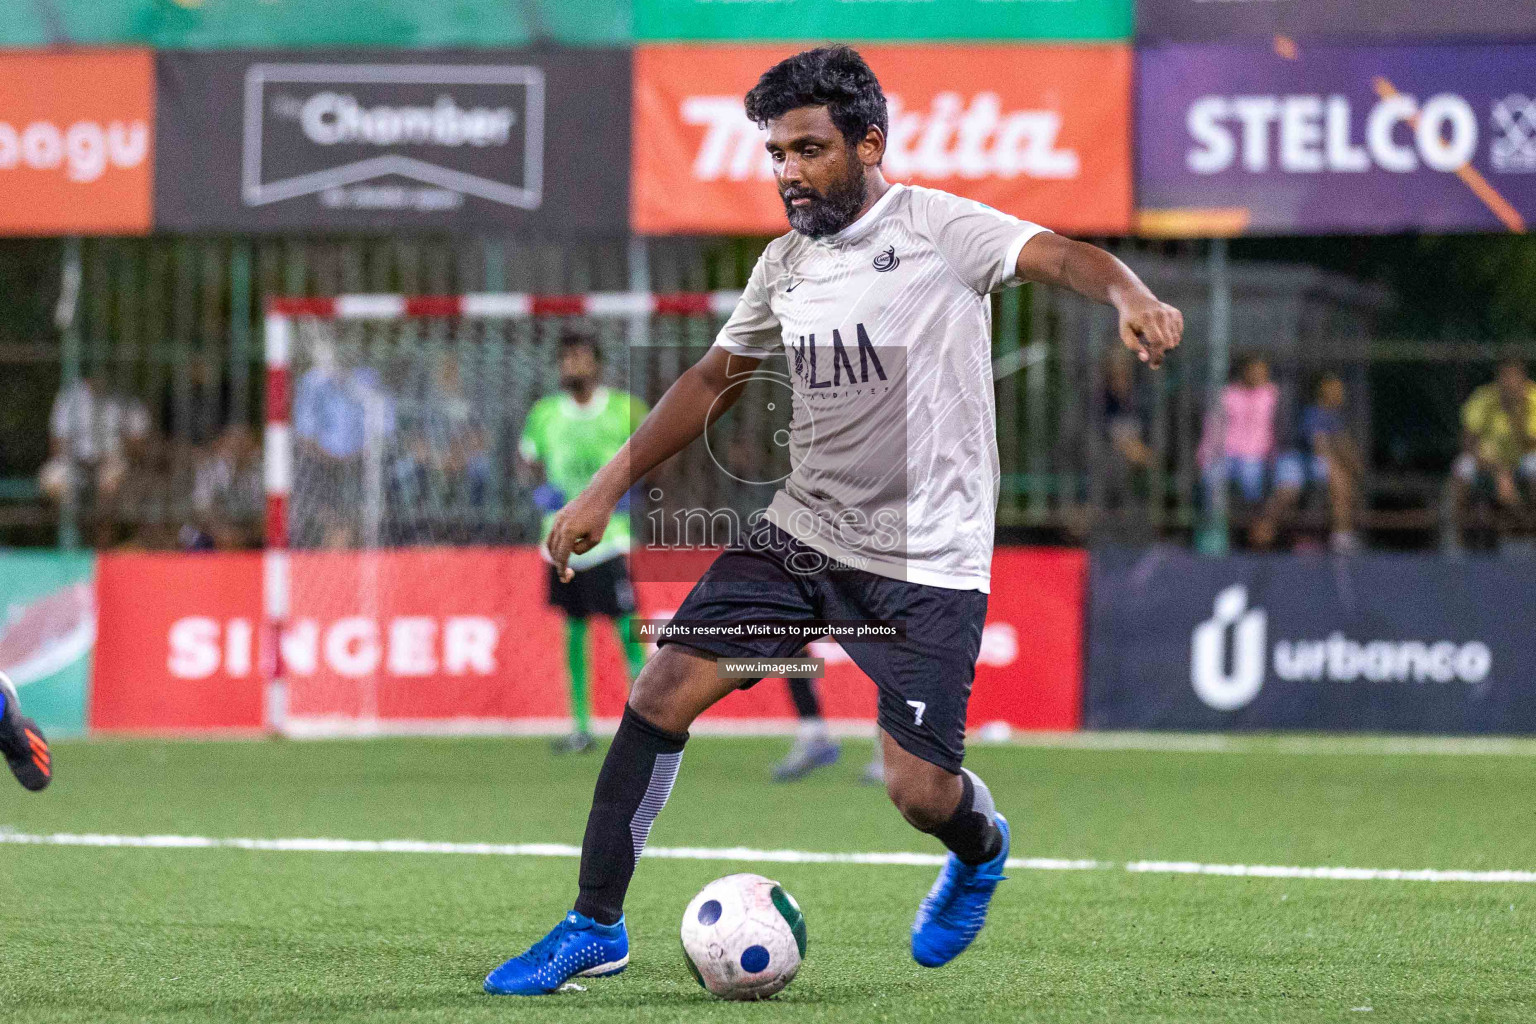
(1151, 329)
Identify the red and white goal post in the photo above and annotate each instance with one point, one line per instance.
(369, 598)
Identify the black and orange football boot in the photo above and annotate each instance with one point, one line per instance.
(22, 742)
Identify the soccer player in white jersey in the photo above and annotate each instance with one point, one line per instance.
(878, 301)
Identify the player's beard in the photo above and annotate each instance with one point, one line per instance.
(826, 213)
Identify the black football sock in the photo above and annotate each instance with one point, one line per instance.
(972, 832)
(632, 788)
(803, 692)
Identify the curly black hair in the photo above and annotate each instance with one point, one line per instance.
(834, 77)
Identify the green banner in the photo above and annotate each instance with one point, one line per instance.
(223, 24)
(47, 634)
(855, 20)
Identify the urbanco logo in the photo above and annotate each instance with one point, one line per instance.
(1218, 686)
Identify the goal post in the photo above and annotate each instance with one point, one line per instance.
(389, 451)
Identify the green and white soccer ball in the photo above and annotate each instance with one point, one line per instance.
(743, 937)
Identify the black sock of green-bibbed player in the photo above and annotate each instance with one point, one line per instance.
(803, 692)
(632, 788)
(971, 832)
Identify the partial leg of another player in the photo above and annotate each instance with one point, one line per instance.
(814, 746)
(22, 742)
(673, 689)
(580, 739)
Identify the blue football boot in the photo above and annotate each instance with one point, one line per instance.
(578, 947)
(951, 915)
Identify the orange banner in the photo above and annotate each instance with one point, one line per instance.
(1041, 132)
(76, 142)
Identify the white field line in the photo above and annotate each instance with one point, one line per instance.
(745, 853)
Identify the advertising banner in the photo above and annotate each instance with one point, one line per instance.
(882, 19)
(224, 24)
(76, 142)
(1041, 132)
(1335, 139)
(424, 639)
(284, 141)
(48, 634)
(1231, 20)
(178, 642)
(1390, 643)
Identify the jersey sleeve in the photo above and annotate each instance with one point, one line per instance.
(531, 446)
(753, 329)
(980, 244)
(1474, 415)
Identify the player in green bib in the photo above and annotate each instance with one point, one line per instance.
(567, 438)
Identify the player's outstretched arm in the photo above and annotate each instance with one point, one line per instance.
(699, 397)
(1148, 327)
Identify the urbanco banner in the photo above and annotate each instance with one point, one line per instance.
(1383, 642)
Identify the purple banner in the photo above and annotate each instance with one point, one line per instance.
(1289, 139)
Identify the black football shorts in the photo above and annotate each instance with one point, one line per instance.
(924, 679)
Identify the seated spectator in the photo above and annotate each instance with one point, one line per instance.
(1239, 439)
(1499, 446)
(446, 450)
(93, 438)
(227, 494)
(1325, 456)
(1126, 454)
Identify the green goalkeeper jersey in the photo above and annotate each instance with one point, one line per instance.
(572, 442)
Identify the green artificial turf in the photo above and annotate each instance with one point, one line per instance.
(92, 934)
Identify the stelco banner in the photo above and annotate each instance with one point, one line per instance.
(427, 638)
(1215, 20)
(76, 142)
(258, 141)
(1041, 132)
(882, 19)
(1374, 643)
(1336, 139)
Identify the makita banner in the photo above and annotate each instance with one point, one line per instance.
(1041, 132)
(1401, 643)
(1230, 20)
(1335, 139)
(294, 141)
(436, 638)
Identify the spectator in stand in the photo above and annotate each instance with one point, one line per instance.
(94, 438)
(1239, 439)
(227, 495)
(335, 409)
(446, 450)
(1498, 456)
(1326, 456)
(1127, 457)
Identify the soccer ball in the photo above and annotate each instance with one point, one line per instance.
(743, 937)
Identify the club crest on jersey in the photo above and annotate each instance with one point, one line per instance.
(887, 261)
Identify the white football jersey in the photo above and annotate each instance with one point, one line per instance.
(886, 333)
